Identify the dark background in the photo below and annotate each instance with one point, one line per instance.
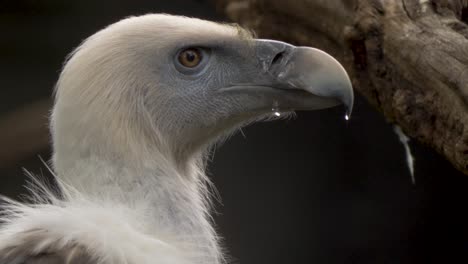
(310, 190)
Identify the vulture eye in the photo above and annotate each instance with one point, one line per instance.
(190, 57)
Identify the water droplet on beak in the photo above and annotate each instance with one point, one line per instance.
(346, 117)
(275, 111)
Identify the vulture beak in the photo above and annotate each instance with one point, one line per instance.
(307, 69)
(302, 78)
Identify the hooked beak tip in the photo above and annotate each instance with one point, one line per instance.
(318, 73)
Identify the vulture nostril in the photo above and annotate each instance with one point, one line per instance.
(277, 58)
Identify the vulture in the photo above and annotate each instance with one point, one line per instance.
(138, 107)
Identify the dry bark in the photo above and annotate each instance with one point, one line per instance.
(409, 58)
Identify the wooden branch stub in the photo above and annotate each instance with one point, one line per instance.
(409, 58)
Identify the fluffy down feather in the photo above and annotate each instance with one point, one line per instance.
(64, 227)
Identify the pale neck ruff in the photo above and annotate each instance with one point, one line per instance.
(168, 202)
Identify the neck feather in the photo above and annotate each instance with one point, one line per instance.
(172, 200)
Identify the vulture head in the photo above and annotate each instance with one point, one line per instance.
(137, 106)
(175, 85)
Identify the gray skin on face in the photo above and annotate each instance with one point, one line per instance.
(238, 81)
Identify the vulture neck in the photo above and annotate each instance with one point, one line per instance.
(171, 199)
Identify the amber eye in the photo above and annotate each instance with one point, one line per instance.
(190, 58)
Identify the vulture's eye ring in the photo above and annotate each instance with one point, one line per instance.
(190, 57)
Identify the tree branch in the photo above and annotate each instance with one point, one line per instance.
(409, 58)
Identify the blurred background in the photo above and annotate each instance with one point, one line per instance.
(315, 189)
